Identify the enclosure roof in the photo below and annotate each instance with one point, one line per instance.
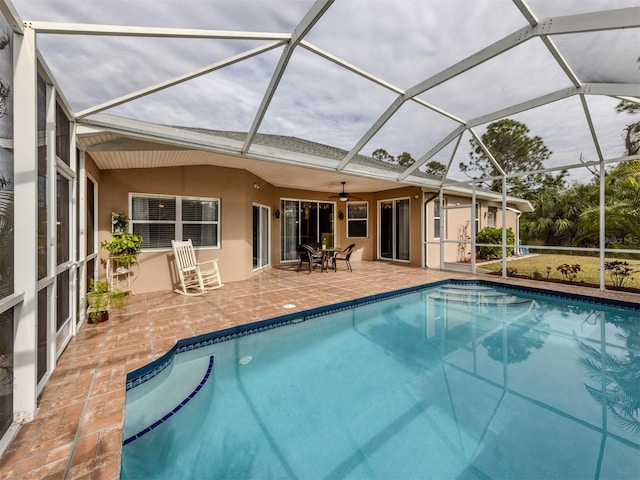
(423, 77)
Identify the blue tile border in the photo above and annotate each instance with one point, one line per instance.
(149, 371)
(184, 402)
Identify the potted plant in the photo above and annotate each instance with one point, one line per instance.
(119, 223)
(123, 248)
(98, 300)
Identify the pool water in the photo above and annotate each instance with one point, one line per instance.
(453, 381)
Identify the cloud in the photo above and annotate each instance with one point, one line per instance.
(403, 43)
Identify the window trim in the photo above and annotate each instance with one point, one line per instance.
(178, 222)
(366, 219)
(439, 217)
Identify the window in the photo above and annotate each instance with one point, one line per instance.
(491, 217)
(357, 219)
(437, 217)
(160, 219)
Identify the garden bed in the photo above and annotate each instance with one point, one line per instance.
(578, 283)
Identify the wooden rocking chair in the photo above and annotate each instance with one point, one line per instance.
(195, 278)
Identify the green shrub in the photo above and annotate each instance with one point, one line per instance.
(493, 236)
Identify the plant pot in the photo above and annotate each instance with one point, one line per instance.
(97, 317)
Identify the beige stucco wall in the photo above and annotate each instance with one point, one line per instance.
(238, 190)
(234, 188)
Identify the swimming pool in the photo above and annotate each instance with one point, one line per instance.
(453, 380)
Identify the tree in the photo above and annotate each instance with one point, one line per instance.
(382, 155)
(632, 131)
(514, 150)
(556, 216)
(621, 209)
(435, 168)
(405, 159)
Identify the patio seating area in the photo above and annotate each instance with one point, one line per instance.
(77, 433)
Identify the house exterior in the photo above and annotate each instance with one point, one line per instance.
(249, 224)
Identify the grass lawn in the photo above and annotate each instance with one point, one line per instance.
(589, 268)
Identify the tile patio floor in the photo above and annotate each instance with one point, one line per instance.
(77, 433)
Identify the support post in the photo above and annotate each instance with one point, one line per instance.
(26, 227)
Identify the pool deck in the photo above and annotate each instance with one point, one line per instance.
(77, 433)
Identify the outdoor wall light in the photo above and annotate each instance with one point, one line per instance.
(340, 214)
(277, 213)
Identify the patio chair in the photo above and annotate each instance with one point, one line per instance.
(342, 256)
(307, 254)
(195, 277)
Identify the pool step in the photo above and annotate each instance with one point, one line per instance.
(478, 297)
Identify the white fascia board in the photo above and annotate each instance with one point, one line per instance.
(98, 124)
(11, 15)
(157, 133)
(135, 31)
(179, 79)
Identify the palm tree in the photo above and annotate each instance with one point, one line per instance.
(622, 208)
(621, 375)
(555, 220)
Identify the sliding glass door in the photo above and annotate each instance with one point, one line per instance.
(305, 221)
(261, 235)
(393, 231)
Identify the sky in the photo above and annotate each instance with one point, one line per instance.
(401, 43)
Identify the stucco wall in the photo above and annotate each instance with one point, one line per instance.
(234, 188)
(238, 190)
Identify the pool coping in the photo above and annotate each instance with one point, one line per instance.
(152, 369)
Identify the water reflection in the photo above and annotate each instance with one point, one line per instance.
(615, 377)
(521, 338)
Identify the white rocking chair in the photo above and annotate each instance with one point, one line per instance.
(195, 278)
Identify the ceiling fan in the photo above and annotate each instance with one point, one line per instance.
(344, 196)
